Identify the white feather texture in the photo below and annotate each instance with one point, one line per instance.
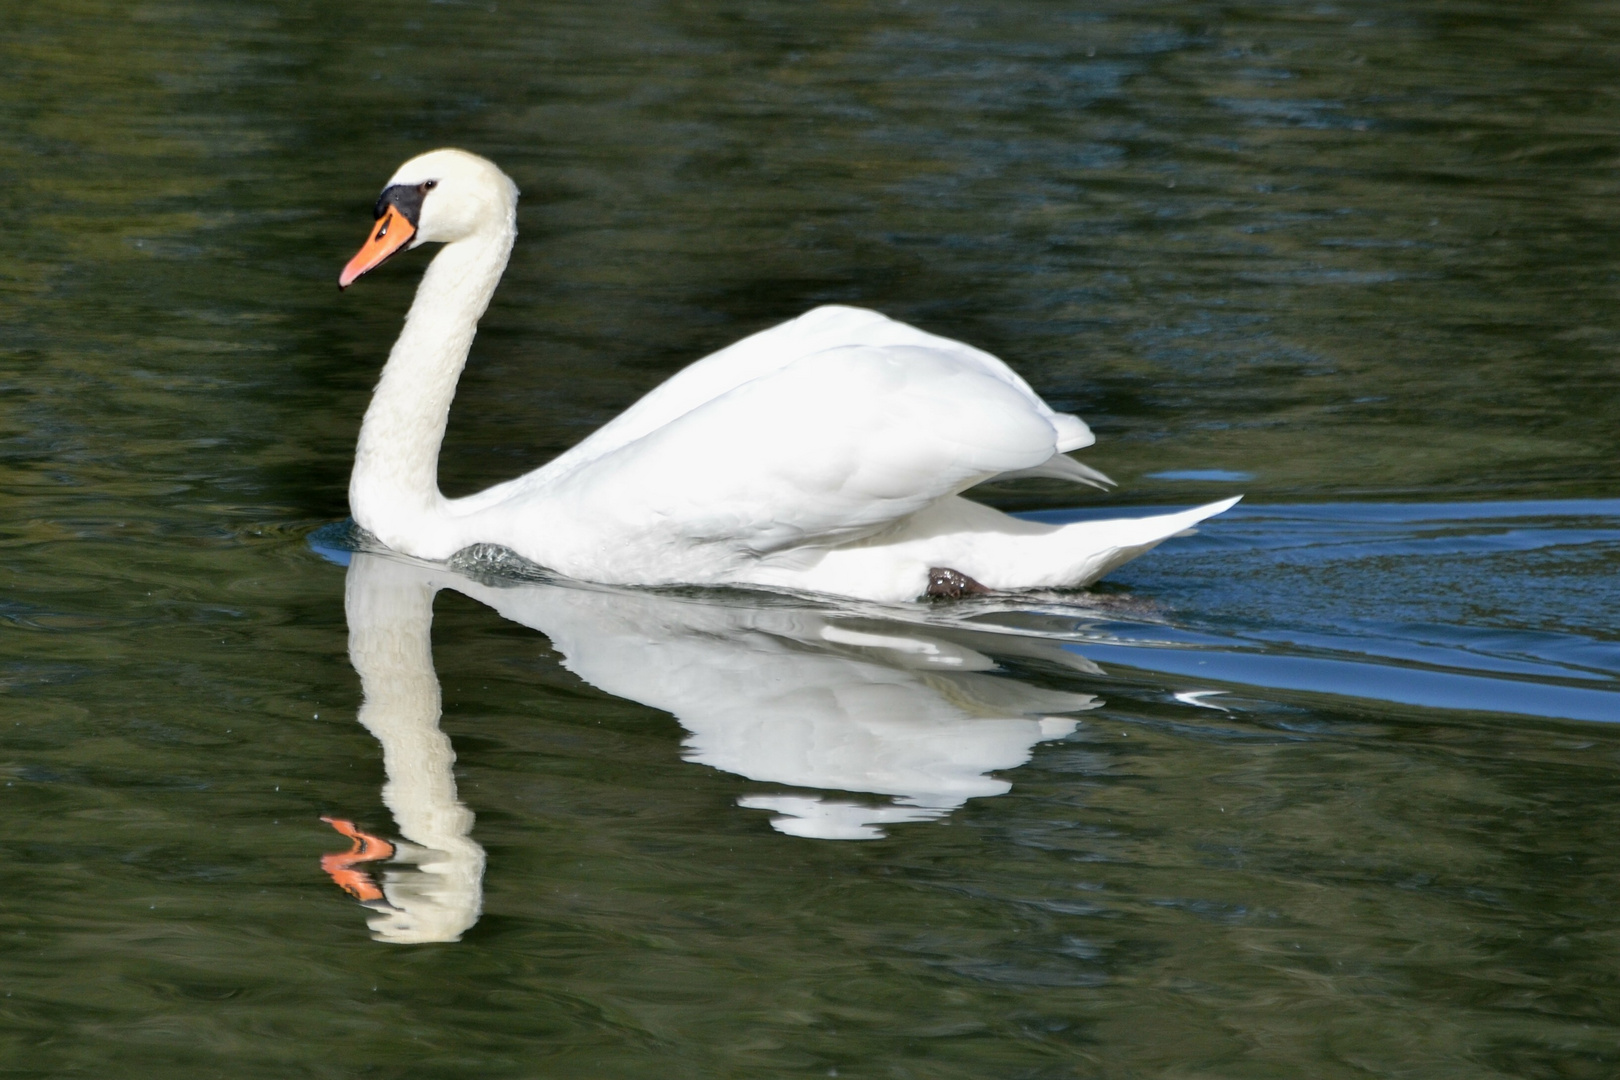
(825, 454)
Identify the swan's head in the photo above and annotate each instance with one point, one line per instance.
(443, 196)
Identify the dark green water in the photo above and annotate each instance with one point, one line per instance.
(1364, 254)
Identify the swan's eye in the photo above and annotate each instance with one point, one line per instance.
(429, 184)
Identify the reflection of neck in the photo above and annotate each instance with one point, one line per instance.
(394, 490)
(390, 611)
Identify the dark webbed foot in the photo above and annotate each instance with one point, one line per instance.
(952, 584)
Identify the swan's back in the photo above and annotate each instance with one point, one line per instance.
(819, 330)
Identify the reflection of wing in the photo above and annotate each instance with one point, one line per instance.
(799, 698)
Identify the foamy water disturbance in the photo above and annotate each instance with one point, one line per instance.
(1327, 788)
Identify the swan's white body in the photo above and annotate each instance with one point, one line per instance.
(826, 454)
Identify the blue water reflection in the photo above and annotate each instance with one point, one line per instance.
(1496, 606)
(1217, 476)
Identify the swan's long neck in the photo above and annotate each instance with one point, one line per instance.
(394, 490)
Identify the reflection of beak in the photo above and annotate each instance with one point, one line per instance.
(340, 866)
(391, 233)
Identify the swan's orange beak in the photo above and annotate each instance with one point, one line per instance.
(391, 233)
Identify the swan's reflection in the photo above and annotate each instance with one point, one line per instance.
(390, 611)
(804, 697)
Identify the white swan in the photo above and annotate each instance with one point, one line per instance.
(826, 454)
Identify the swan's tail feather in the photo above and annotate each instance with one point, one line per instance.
(1107, 545)
(1062, 467)
(1003, 553)
(1072, 432)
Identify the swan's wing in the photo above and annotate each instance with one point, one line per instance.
(772, 350)
(836, 445)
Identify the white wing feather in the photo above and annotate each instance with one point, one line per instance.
(771, 350)
(819, 454)
(834, 446)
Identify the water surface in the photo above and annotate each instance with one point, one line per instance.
(1324, 790)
